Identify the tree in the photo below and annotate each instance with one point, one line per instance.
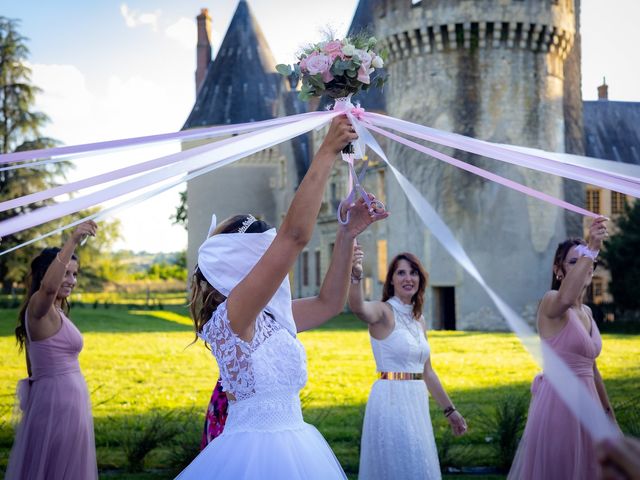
(20, 129)
(621, 258)
(96, 266)
(181, 217)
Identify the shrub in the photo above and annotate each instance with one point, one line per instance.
(505, 426)
(142, 434)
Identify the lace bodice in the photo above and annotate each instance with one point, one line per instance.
(274, 362)
(406, 349)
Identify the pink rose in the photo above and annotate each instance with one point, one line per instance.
(320, 63)
(333, 49)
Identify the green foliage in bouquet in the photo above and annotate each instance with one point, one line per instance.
(338, 68)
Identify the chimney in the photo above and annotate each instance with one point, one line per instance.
(603, 90)
(203, 55)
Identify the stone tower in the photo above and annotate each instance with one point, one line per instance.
(493, 70)
(240, 85)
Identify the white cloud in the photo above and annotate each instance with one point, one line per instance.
(66, 99)
(184, 31)
(131, 106)
(133, 18)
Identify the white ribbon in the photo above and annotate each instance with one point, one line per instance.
(238, 147)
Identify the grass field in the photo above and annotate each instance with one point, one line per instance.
(143, 375)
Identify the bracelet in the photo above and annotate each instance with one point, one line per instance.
(585, 251)
(355, 279)
(449, 410)
(60, 261)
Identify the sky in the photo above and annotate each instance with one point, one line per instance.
(111, 69)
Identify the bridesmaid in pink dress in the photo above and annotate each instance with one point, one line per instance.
(55, 437)
(554, 446)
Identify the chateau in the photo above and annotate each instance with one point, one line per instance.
(506, 71)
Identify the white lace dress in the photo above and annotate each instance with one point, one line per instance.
(265, 435)
(397, 436)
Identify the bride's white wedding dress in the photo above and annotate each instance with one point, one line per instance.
(265, 435)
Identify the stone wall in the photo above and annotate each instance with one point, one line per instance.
(493, 70)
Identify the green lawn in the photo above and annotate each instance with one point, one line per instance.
(141, 372)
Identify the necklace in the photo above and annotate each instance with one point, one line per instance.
(403, 311)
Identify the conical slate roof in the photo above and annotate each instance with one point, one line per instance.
(611, 130)
(363, 21)
(241, 84)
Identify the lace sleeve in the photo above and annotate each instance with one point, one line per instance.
(232, 353)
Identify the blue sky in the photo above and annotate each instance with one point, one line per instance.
(120, 69)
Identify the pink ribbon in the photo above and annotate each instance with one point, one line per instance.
(163, 137)
(485, 174)
(358, 112)
(611, 181)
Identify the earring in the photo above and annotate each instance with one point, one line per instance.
(558, 277)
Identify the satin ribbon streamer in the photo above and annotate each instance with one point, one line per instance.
(514, 155)
(227, 153)
(192, 134)
(567, 385)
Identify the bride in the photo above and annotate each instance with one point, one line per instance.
(241, 306)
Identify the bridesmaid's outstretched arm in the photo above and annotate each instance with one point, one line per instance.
(555, 303)
(312, 312)
(373, 312)
(42, 300)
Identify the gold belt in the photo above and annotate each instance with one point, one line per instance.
(400, 376)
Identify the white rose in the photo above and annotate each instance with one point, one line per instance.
(349, 50)
(377, 62)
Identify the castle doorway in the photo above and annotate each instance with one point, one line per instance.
(444, 315)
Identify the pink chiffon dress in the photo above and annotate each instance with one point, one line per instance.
(54, 440)
(554, 445)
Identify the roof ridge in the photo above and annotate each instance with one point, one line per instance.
(241, 84)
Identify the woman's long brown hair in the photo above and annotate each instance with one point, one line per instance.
(39, 267)
(559, 258)
(418, 298)
(37, 270)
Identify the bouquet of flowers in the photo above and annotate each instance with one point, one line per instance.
(338, 68)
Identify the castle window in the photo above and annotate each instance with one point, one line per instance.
(380, 190)
(305, 268)
(618, 201)
(593, 200)
(597, 290)
(382, 260)
(318, 271)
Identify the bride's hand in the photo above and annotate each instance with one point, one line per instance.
(360, 217)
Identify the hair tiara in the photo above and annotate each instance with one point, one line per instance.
(247, 223)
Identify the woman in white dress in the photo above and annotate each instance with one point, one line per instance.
(242, 308)
(397, 436)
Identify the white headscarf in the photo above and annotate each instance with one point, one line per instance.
(225, 260)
